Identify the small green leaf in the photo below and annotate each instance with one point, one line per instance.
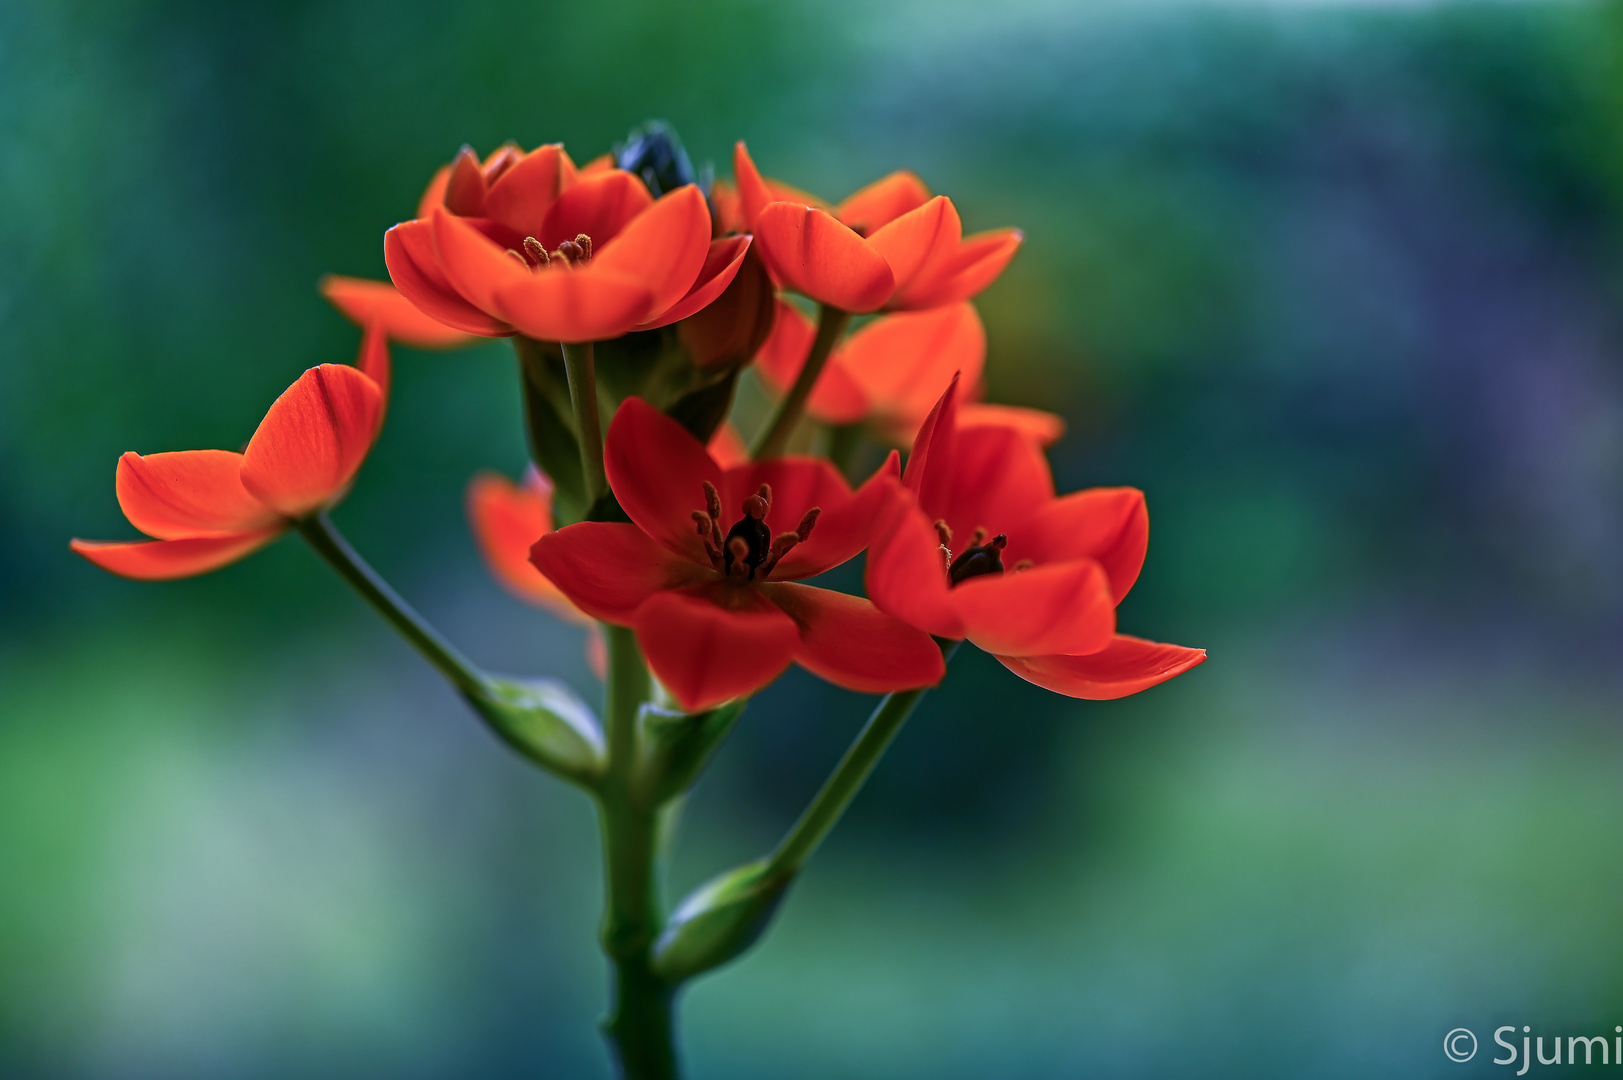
(719, 921)
(675, 748)
(546, 722)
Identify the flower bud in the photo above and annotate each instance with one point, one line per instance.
(719, 921)
(676, 747)
(655, 154)
(730, 331)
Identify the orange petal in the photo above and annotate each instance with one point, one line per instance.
(313, 439)
(521, 197)
(710, 644)
(727, 447)
(501, 159)
(1126, 666)
(883, 201)
(189, 494)
(724, 260)
(1057, 608)
(903, 363)
(851, 643)
(366, 301)
(609, 568)
(658, 470)
(753, 195)
(507, 521)
(373, 362)
(919, 241)
(574, 306)
(434, 194)
(165, 560)
(1108, 525)
(727, 208)
(812, 253)
(976, 264)
(408, 250)
(783, 354)
(906, 574)
(1045, 428)
(601, 163)
(465, 188)
(599, 205)
(999, 480)
(475, 265)
(664, 247)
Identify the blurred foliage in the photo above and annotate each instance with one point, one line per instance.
(1337, 286)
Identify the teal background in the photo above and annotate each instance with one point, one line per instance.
(1337, 286)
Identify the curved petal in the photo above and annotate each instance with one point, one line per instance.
(977, 263)
(365, 302)
(373, 362)
(313, 439)
(1044, 428)
(783, 354)
(574, 306)
(189, 494)
(501, 159)
(1058, 608)
(903, 363)
(807, 250)
(465, 187)
(722, 261)
(1108, 525)
(408, 251)
(710, 644)
(165, 560)
(507, 521)
(664, 247)
(608, 568)
(930, 464)
(1000, 480)
(755, 193)
(599, 205)
(1126, 666)
(434, 194)
(883, 201)
(851, 643)
(521, 196)
(727, 447)
(799, 484)
(919, 241)
(658, 470)
(907, 570)
(475, 265)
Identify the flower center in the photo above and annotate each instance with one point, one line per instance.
(981, 557)
(567, 255)
(749, 548)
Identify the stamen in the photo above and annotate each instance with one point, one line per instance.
(522, 261)
(537, 251)
(804, 529)
(584, 242)
(712, 500)
(1023, 564)
(978, 538)
(738, 550)
(943, 531)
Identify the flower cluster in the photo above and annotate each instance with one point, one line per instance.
(640, 294)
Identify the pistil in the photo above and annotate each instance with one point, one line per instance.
(750, 551)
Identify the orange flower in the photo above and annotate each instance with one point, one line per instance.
(890, 246)
(209, 508)
(367, 302)
(890, 373)
(527, 243)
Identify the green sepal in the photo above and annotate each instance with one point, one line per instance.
(719, 921)
(549, 419)
(546, 722)
(675, 747)
(702, 409)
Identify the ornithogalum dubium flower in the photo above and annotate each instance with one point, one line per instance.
(716, 381)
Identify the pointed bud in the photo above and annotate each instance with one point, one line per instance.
(733, 328)
(719, 921)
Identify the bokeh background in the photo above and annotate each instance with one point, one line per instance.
(1338, 285)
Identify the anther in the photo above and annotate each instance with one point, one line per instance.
(978, 538)
(943, 531)
(522, 261)
(738, 550)
(712, 501)
(804, 529)
(584, 243)
(537, 251)
(569, 251)
(756, 507)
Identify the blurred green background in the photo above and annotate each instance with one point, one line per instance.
(1338, 286)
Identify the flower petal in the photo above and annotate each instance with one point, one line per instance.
(727, 446)
(599, 205)
(474, 264)
(906, 573)
(999, 481)
(189, 494)
(313, 439)
(930, 465)
(507, 521)
(807, 250)
(408, 251)
(919, 241)
(165, 560)
(1108, 525)
(664, 247)
(574, 306)
(657, 470)
(836, 398)
(365, 302)
(977, 263)
(465, 187)
(710, 644)
(755, 193)
(1044, 428)
(1126, 666)
(373, 362)
(521, 196)
(851, 643)
(608, 568)
(883, 201)
(434, 194)
(1057, 608)
(903, 363)
(722, 262)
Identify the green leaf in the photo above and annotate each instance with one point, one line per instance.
(675, 748)
(546, 722)
(719, 921)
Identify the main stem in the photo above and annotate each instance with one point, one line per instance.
(638, 1028)
(774, 437)
(848, 776)
(581, 363)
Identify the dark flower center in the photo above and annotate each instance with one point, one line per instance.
(982, 557)
(749, 548)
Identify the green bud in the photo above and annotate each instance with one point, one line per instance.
(675, 748)
(544, 720)
(719, 921)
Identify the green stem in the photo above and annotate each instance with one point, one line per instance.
(639, 1026)
(848, 776)
(330, 544)
(774, 436)
(581, 364)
